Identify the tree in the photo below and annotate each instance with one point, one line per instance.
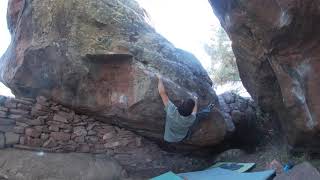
(223, 68)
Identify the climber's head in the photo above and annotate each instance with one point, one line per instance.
(186, 107)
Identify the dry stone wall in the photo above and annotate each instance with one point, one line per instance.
(44, 125)
(237, 108)
(240, 113)
(40, 124)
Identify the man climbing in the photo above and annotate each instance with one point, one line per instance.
(180, 120)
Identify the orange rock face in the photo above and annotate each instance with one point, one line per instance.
(276, 44)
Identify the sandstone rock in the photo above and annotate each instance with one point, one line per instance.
(50, 143)
(42, 100)
(54, 128)
(55, 123)
(41, 129)
(138, 142)
(19, 130)
(5, 121)
(67, 128)
(60, 118)
(243, 105)
(39, 110)
(32, 132)
(80, 139)
(22, 101)
(277, 57)
(24, 107)
(3, 114)
(22, 140)
(91, 126)
(228, 97)
(4, 109)
(92, 139)
(21, 124)
(80, 131)
(223, 105)
(33, 142)
(35, 122)
(76, 119)
(92, 133)
(9, 104)
(108, 136)
(95, 61)
(6, 128)
(104, 130)
(237, 116)
(112, 144)
(23, 119)
(12, 138)
(15, 116)
(44, 136)
(18, 111)
(60, 136)
(54, 108)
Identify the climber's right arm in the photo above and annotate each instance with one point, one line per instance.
(162, 91)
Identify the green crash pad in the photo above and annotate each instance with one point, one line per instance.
(238, 167)
(167, 176)
(223, 174)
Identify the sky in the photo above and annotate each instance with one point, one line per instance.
(4, 33)
(188, 24)
(4, 40)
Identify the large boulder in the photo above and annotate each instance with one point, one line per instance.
(277, 50)
(100, 57)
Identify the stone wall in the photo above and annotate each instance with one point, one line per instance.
(44, 125)
(41, 124)
(237, 108)
(240, 113)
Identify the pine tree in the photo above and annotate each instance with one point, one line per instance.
(223, 68)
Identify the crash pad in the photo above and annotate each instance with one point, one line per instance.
(219, 173)
(238, 167)
(167, 176)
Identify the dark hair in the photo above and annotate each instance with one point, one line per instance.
(185, 109)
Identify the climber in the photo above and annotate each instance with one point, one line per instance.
(181, 119)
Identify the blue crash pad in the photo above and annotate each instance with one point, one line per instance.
(167, 176)
(219, 173)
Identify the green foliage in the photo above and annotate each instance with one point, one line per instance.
(223, 68)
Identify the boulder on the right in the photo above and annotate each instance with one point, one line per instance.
(277, 45)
